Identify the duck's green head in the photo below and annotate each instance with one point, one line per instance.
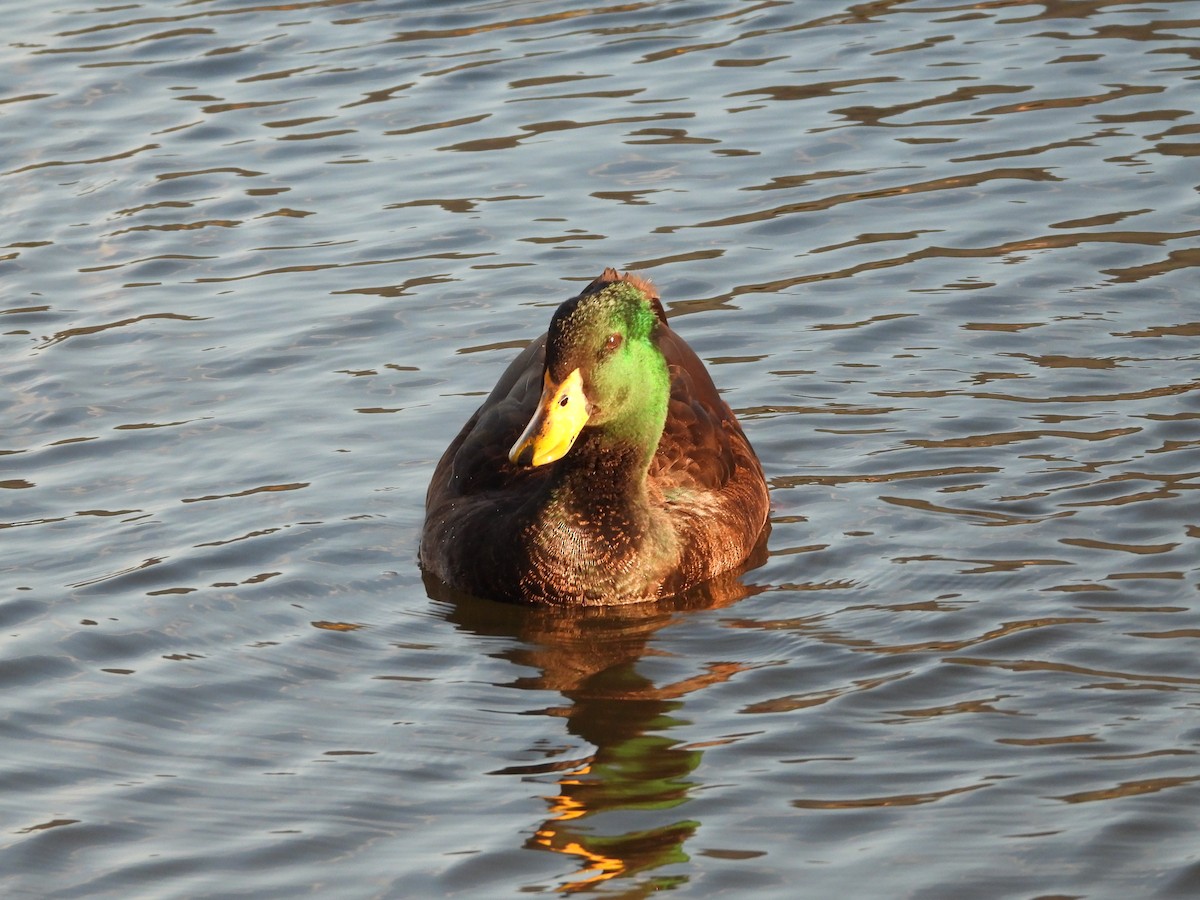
(603, 370)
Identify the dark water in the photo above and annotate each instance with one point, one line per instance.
(260, 262)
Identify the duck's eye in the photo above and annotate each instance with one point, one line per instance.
(613, 342)
(563, 401)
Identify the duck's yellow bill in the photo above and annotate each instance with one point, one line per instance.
(561, 414)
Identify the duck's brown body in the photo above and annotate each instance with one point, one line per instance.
(595, 527)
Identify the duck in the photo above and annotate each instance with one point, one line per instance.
(603, 469)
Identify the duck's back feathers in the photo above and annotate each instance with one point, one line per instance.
(477, 459)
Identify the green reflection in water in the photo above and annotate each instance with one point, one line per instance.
(612, 812)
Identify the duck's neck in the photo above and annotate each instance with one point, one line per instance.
(608, 464)
(606, 477)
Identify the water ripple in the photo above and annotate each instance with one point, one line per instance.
(263, 260)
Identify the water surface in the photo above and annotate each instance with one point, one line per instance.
(260, 263)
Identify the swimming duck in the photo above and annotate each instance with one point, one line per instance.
(604, 468)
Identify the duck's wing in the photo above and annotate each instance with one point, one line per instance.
(705, 474)
(477, 459)
(703, 447)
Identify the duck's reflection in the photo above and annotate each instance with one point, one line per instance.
(615, 811)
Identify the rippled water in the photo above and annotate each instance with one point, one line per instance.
(261, 261)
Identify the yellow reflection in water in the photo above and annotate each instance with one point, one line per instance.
(642, 773)
(612, 812)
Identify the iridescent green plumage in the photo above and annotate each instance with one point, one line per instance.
(649, 485)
